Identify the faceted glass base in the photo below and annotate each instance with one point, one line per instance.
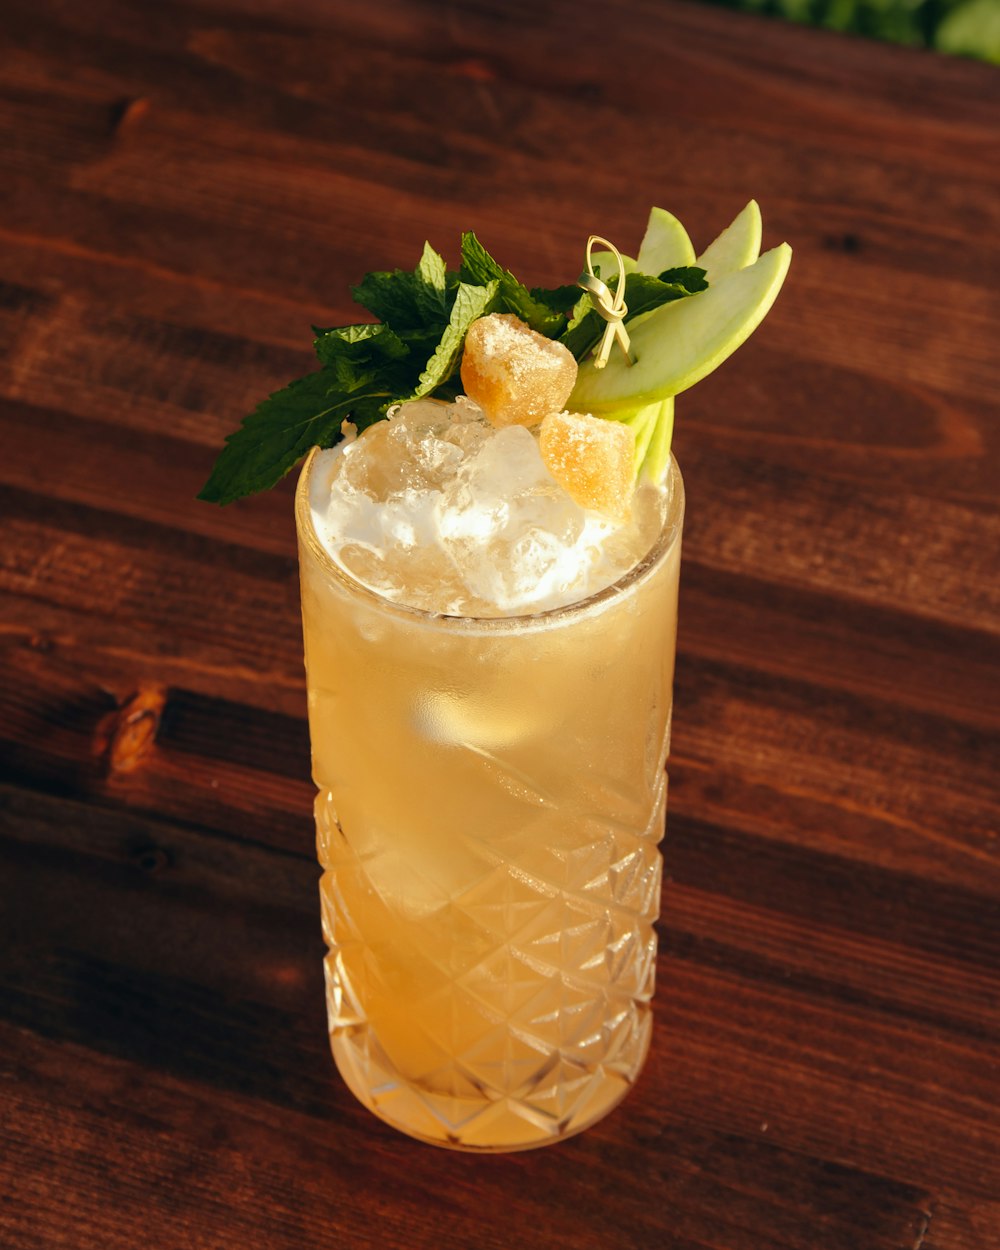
(508, 1012)
(484, 1123)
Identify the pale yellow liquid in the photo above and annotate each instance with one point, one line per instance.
(491, 796)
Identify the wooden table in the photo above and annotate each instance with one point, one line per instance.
(184, 188)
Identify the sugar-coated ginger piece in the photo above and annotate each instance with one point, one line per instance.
(591, 458)
(513, 373)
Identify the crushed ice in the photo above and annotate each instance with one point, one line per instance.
(436, 509)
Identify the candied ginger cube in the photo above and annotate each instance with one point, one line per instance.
(591, 458)
(513, 373)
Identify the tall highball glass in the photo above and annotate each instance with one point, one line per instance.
(491, 798)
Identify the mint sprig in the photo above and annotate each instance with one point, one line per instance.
(414, 349)
(282, 429)
(408, 301)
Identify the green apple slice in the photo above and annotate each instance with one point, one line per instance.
(607, 262)
(657, 455)
(682, 342)
(735, 248)
(643, 423)
(665, 244)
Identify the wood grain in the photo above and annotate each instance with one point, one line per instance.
(184, 188)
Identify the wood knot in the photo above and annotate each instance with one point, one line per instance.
(132, 729)
(150, 859)
(847, 242)
(127, 115)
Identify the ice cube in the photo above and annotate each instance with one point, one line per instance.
(371, 464)
(490, 532)
(591, 458)
(506, 524)
(513, 373)
(418, 448)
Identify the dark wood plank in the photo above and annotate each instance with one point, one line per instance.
(203, 1183)
(954, 1225)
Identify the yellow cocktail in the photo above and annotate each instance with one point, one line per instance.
(491, 796)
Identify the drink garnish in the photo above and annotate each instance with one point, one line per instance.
(414, 350)
(516, 375)
(609, 303)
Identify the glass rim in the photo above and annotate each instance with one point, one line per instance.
(667, 538)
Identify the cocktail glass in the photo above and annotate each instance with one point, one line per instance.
(491, 798)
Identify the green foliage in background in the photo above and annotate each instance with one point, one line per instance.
(961, 27)
(971, 28)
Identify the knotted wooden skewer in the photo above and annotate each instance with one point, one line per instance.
(610, 304)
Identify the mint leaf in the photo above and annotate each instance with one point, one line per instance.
(276, 435)
(359, 343)
(471, 302)
(584, 328)
(643, 292)
(390, 296)
(408, 301)
(431, 290)
(559, 299)
(479, 267)
(355, 353)
(690, 277)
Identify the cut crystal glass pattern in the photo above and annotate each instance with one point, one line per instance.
(514, 1009)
